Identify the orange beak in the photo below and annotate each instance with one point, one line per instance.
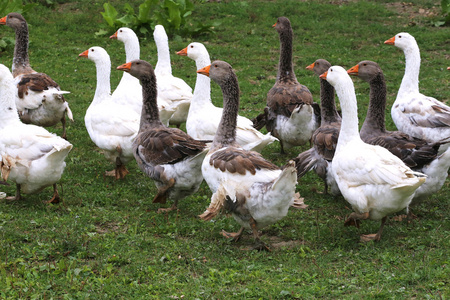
(182, 52)
(125, 67)
(311, 66)
(204, 71)
(353, 70)
(274, 24)
(3, 20)
(84, 53)
(114, 36)
(390, 41)
(324, 75)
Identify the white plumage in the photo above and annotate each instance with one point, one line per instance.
(375, 182)
(30, 156)
(112, 124)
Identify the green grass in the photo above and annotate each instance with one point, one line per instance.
(106, 241)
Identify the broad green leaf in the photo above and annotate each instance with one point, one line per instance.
(109, 14)
(174, 13)
(144, 10)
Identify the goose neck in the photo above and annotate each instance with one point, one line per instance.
(132, 49)
(328, 104)
(103, 88)
(375, 118)
(349, 125)
(149, 113)
(163, 64)
(285, 67)
(8, 108)
(410, 81)
(226, 132)
(21, 63)
(202, 89)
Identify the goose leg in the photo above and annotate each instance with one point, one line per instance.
(63, 122)
(260, 245)
(161, 197)
(354, 219)
(55, 199)
(173, 207)
(235, 236)
(376, 236)
(17, 197)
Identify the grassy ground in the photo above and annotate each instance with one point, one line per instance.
(106, 241)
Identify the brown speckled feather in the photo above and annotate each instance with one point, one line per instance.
(235, 160)
(166, 146)
(36, 82)
(325, 140)
(284, 97)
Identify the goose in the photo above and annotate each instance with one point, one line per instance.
(416, 153)
(112, 125)
(167, 155)
(129, 88)
(372, 180)
(324, 139)
(203, 117)
(171, 89)
(412, 112)
(39, 99)
(290, 114)
(30, 156)
(254, 190)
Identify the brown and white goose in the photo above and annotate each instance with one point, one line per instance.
(255, 191)
(290, 114)
(39, 99)
(169, 156)
(324, 139)
(416, 153)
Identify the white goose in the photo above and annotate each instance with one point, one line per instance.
(29, 155)
(374, 181)
(129, 88)
(173, 90)
(203, 118)
(254, 190)
(112, 125)
(39, 98)
(412, 112)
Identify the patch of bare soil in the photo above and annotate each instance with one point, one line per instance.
(413, 11)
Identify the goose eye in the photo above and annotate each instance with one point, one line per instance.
(92, 50)
(121, 30)
(215, 66)
(192, 46)
(399, 36)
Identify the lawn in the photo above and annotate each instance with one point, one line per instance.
(106, 240)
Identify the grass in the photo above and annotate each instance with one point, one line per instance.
(106, 241)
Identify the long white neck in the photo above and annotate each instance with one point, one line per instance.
(132, 52)
(410, 81)
(163, 64)
(103, 89)
(349, 126)
(202, 90)
(8, 109)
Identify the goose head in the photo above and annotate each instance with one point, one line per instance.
(96, 54)
(219, 71)
(366, 70)
(124, 34)
(336, 75)
(282, 24)
(13, 20)
(402, 40)
(319, 67)
(138, 68)
(194, 51)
